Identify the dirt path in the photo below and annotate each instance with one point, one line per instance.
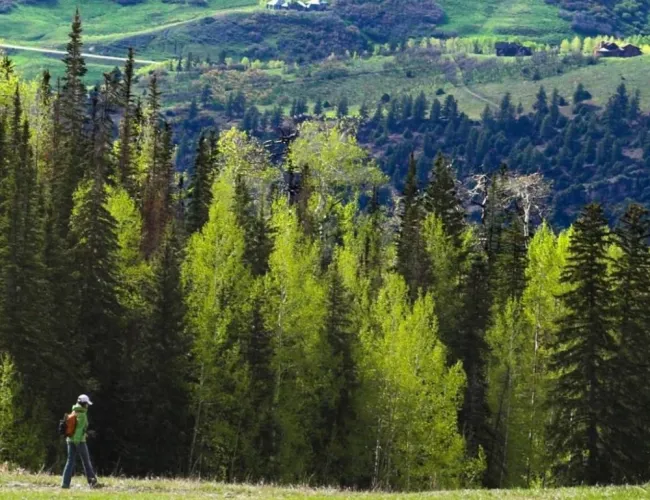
(63, 53)
(477, 96)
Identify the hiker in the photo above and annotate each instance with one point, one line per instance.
(76, 442)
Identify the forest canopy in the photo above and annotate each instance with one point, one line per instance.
(264, 317)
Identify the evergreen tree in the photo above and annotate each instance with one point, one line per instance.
(318, 107)
(338, 414)
(441, 198)
(125, 169)
(631, 276)
(73, 156)
(436, 112)
(256, 231)
(342, 108)
(411, 256)
(582, 398)
(97, 313)
(420, 109)
(200, 186)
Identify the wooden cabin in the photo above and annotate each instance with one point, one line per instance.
(512, 49)
(612, 49)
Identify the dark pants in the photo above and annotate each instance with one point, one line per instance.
(82, 450)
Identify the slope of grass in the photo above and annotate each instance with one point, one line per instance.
(48, 24)
(31, 66)
(601, 80)
(24, 486)
(531, 19)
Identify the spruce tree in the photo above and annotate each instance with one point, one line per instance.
(469, 346)
(200, 186)
(411, 255)
(125, 169)
(72, 158)
(631, 276)
(97, 311)
(161, 372)
(420, 109)
(318, 107)
(331, 441)
(441, 198)
(582, 397)
(256, 231)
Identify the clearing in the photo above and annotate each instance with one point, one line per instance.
(27, 486)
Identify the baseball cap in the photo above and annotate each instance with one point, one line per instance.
(84, 399)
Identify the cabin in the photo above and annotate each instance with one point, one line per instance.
(311, 5)
(508, 49)
(612, 49)
(317, 5)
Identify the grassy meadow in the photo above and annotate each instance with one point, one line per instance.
(601, 80)
(530, 19)
(28, 487)
(48, 25)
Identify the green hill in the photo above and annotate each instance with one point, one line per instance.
(47, 24)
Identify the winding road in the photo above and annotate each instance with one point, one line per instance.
(87, 55)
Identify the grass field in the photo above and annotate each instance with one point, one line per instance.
(530, 19)
(32, 65)
(24, 486)
(601, 80)
(49, 25)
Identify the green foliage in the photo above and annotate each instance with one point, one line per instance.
(405, 391)
(20, 432)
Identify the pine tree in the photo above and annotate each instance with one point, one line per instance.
(411, 256)
(342, 109)
(125, 170)
(200, 186)
(256, 231)
(436, 112)
(420, 109)
(73, 156)
(331, 442)
(97, 309)
(582, 399)
(441, 198)
(469, 346)
(631, 276)
(162, 371)
(318, 107)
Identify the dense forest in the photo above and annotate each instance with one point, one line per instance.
(265, 317)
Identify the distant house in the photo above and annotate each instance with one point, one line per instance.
(630, 50)
(508, 49)
(294, 5)
(274, 4)
(611, 49)
(317, 5)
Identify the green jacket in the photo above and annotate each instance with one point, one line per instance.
(80, 430)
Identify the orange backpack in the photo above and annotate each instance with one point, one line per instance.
(68, 425)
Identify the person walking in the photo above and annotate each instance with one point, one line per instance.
(77, 444)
